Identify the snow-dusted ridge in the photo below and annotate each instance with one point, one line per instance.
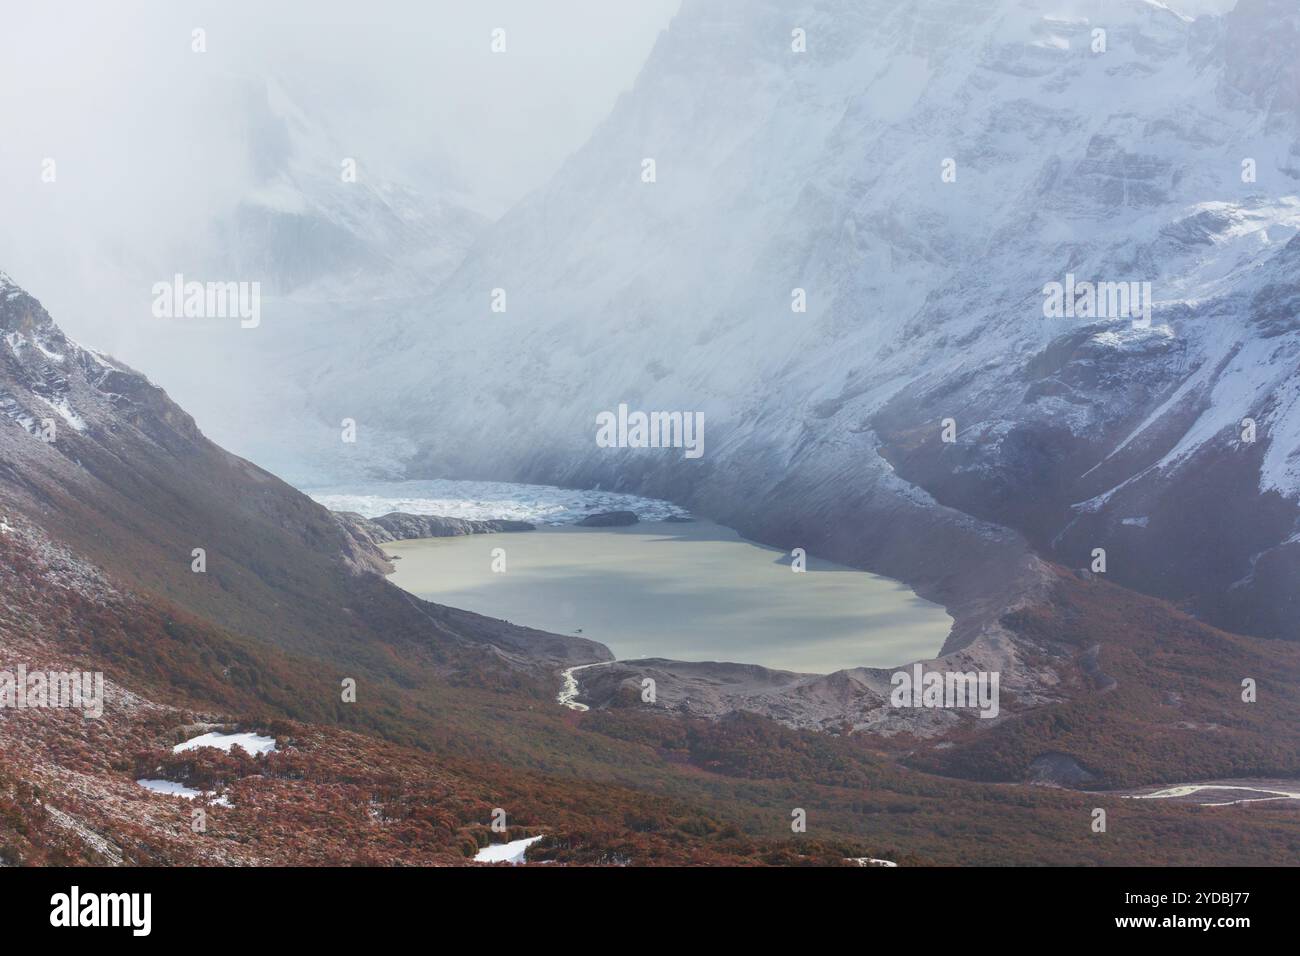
(60, 380)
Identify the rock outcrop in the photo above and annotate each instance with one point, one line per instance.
(609, 519)
(399, 526)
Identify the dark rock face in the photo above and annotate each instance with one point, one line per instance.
(398, 526)
(609, 519)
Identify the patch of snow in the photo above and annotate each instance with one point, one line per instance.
(512, 852)
(52, 356)
(65, 412)
(171, 788)
(1126, 337)
(251, 743)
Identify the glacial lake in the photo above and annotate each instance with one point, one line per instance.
(689, 591)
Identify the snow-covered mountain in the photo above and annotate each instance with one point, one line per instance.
(1115, 157)
(319, 222)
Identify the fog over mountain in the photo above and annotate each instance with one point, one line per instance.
(156, 145)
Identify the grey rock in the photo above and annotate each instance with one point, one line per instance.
(609, 519)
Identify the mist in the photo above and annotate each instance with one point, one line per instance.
(122, 144)
(125, 149)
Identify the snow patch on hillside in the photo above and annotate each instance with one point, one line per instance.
(64, 410)
(250, 743)
(512, 852)
(170, 788)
